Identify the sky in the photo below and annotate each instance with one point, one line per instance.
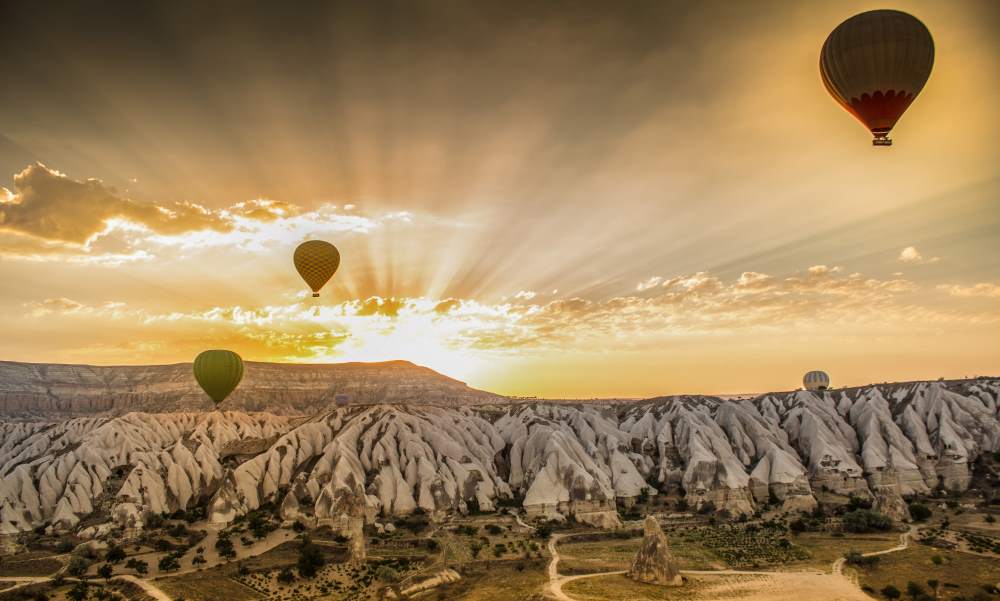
(560, 199)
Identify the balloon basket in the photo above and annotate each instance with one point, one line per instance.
(881, 142)
(315, 294)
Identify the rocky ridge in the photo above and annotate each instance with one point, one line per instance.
(46, 390)
(365, 463)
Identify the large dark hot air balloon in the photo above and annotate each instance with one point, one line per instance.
(316, 261)
(874, 64)
(218, 372)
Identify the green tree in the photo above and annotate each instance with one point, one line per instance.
(310, 558)
(169, 563)
(115, 554)
(865, 520)
(914, 589)
(286, 576)
(890, 592)
(140, 566)
(105, 571)
(920, 512)
(77, 566)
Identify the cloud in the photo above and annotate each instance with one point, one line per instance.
(68, 306)
(980, 290)
(52, 217)
(816, 300)
(49, 205)
(910, 254)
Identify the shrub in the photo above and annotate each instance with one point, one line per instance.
(937, 559)
(920, 512)
(914, 589)
(855, 558)
(140, 566)
(77, 566)
(494, 529)
(386, 574)
(890, 592)
(169, 563)
(285, 576)
(115, 554)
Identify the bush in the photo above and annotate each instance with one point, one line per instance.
(169, 563)
(855, 558)
(386, 574)
(856, 503)
(77, 567)
(914, 589)
(494, 529)
(140, 566)
(285, 576)
(105, 571)
(920, 512)
(865, 520)
(891, 592)
(115, 554)
(225, 548)
(937, 560)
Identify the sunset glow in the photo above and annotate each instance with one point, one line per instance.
(672, 207)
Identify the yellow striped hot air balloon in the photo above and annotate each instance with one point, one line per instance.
(316, 261)
(218, 373)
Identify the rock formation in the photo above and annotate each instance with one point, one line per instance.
(653, 563)
(352, 465)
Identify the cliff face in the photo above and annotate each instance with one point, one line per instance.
(38, 389)
(356, 463)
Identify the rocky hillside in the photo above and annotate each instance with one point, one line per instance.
(42, 389)
(361, 462)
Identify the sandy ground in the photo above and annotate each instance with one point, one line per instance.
(725, 585)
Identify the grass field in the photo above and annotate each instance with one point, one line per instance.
(208, 585)
(967, 573)
(29, 564)
(825, 548)
(496, 580)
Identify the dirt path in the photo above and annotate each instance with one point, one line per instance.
(904, 542)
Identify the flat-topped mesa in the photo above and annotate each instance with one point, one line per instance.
(653, 563)
(49, 390)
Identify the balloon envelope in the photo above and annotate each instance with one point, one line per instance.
(874, 64)
(218, 372)
(816, 380)
(316, 261)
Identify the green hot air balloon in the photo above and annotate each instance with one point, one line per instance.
(218, 372)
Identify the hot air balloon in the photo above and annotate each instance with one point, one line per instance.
(874, 64)
(316, 261)
(342, 400)
(816, 380)
(218, 372)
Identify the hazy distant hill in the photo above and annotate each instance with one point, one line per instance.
(282, 388)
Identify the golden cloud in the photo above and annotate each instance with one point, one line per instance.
(49, 205)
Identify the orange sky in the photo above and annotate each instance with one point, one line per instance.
(567, 200)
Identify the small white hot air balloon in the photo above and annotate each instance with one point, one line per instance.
(816, 380)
